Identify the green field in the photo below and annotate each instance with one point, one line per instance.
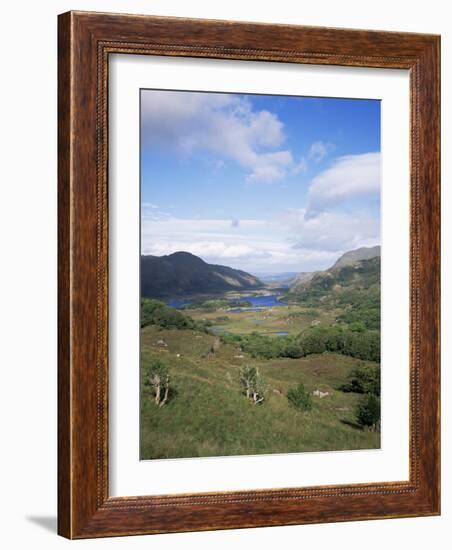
(288, 318)
(207, 413)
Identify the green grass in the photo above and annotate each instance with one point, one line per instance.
(207, 414)
(291, 319)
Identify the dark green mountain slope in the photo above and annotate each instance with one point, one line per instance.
(351, 286)
(361, 274)
(182, 274)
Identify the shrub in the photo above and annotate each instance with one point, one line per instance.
(363, 379)
(362, 306)
(222, 318)
(362, 345)
(368, 412)
(300, 398)
(259, 345)
(294, 349)
(154, 312)
(230, 338)
(357, 326)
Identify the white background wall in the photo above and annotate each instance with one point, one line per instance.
(28, 270)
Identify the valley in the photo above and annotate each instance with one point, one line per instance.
(269, 315)
(320, 333)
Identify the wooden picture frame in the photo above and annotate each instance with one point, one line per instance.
(86, 40)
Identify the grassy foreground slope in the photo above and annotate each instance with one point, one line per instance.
(208, 415)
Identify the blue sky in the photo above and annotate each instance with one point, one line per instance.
(262, 183)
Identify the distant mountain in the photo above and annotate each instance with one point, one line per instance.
(358, 268)
(182, 274)
(350, 258)
(303, 278)
(278, 280)
(274, 277)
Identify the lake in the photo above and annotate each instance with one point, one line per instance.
(177, 303)
(258, 302)
(270, 300)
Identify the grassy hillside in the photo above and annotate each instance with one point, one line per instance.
(352, 292)
(207, 413)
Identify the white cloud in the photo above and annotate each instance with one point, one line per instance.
(211, 250)
(215, 241)
(269, 167)
(331, 231)
(289, 243)
(319, 150)
(301, 166)
(350, 176)
(222, 124)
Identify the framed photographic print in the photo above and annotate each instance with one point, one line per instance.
(248, 275)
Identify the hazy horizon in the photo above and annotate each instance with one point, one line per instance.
(255, 273)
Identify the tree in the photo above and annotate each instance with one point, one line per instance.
(155, 312)
(300, 398)
(294, 349)
(368, 412)
(363, 379)
(319, 339)
(252, 384)
(159, 379)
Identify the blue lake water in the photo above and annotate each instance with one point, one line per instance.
(177, 303)
(270, 300)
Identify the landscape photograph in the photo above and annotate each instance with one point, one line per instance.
(259, 274)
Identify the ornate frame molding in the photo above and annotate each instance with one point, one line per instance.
(85, 42)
